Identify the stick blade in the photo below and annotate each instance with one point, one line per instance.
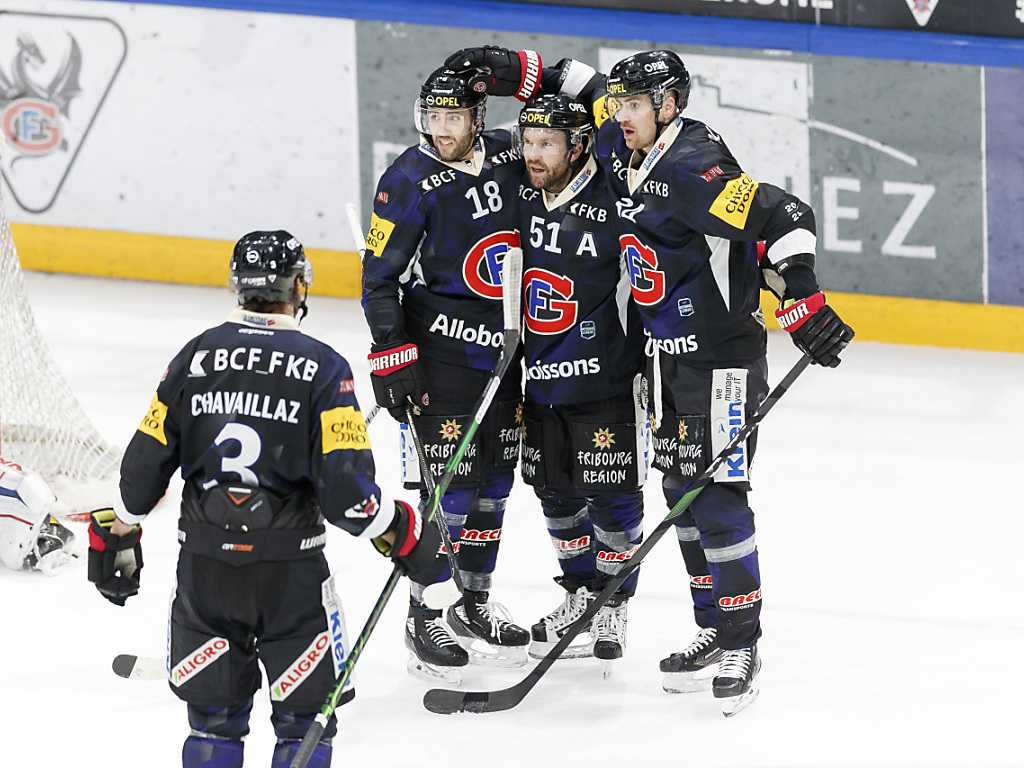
(442, 701)
(139, 667)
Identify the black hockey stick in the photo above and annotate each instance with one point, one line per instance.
(446, 702)
(428, 481)
(512, 278)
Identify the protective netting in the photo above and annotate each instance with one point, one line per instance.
(42, 425)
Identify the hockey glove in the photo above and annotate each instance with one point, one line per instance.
(114, 561)
(417, 542)
(398, 378)
(816, 329)
(499, 71)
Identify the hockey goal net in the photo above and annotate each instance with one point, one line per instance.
(42, 425)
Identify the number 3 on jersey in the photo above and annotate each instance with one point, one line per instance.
(645, 279)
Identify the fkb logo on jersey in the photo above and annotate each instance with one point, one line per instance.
(549, 309)
(481, 270)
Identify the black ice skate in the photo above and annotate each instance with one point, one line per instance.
(52, 552)
(433, 652)
(549, 630)
(693, 668)
(486, 631)
(735, 685)
(609, 630)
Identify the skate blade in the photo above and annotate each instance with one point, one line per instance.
(606, 668)
(484, 654)
(735, 704)
(584, 650)
(692, 682)
(433, 674)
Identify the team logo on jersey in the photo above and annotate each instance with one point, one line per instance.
(55, 73)
(549, 308)
(450, 430)
(645, 279)
(482, 268)
(604, 439)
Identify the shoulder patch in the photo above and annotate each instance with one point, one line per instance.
(343, 427)
(153, 422)
(733, 203)
(379, 234)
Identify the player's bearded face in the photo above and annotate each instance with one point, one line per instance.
(453, 132)
(546, 154)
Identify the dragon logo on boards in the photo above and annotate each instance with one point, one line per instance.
(55, 72)
(922, 10)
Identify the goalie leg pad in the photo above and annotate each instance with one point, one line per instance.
(25, 503)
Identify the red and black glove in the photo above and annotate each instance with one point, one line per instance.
(816, 329)
(416, 545)
(114, 561)
(499, 71)
(398, 378)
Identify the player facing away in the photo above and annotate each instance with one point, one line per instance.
(262, 421)
(444, 217)
(691, 218)
(30, 536)
(585, 426)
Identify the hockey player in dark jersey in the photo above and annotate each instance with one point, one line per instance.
(691, 218)
(585, 430)
(262, 421)
(444, 216)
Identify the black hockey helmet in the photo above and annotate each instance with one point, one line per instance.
(557, 112)
(445, 89)
(264, 266)
(650, 73)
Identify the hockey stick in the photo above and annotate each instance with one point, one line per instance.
(446, 702)
(428, 481)
(512, 278)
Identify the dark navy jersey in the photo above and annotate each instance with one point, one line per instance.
(255, 401)
(692, 219)
(582, 339)
(437, 241)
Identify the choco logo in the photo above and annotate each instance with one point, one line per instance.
(55, 73)
(548, 306)
(481, 270)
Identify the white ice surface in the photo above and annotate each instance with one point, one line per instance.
(889, 513)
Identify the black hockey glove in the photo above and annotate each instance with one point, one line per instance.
(417, 542)
(816, 329)
(398, 378)
(499, 71)
(114, 561)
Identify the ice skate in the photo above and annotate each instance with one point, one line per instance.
(486, 631)
(52, 551)
(694, 668)
(609, 630)
(735, 685)
(549, 630)
(434, 655)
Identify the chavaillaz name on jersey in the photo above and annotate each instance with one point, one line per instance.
(247, 404)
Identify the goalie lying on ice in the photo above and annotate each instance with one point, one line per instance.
(30, 537)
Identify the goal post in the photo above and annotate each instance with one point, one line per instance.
(43, 427)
